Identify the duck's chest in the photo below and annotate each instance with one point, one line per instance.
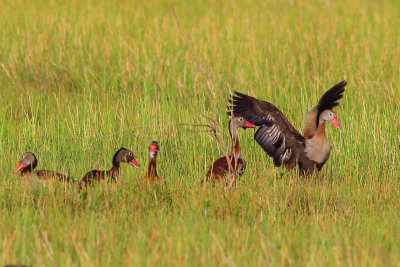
(317, 150)
(238, 162)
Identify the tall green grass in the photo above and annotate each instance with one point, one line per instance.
(80, 79)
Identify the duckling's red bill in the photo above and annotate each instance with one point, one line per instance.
(335, 122)
(19, 167)
(248, 125)
(134, 163)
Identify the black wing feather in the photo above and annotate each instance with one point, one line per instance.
(330, 98)
(272, 141)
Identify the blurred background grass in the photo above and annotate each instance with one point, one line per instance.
(79, 79)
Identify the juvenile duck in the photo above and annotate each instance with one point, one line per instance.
(28, 163)
(122, 155)
(152, 176)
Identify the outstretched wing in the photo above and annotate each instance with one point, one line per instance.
(276, 135)
(331, 97)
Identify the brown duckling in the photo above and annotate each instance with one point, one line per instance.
(28, 163)
(122, 155)
(152, 176)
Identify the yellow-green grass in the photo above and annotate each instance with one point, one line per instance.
(79, 79)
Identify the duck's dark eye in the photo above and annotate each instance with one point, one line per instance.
(241, 119)
(130, 153)
(330, 114)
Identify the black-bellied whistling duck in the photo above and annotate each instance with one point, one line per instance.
(122, 155)
(28, 163)
(152, 176)
(281, 140)
(221, 166)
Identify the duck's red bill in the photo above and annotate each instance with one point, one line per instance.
(335, 122)
(19, 167)
(248, 125)
(134, 163)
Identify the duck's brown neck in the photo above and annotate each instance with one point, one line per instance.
(152, 170)
(320, 133)
(235, 141)
(114, 171)
(26, 171)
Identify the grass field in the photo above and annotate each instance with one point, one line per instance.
(80, 79)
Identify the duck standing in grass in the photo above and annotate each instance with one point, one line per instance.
(234, 161)
(28, 163)
(277, 136)
(152, 177)
(122, 155)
